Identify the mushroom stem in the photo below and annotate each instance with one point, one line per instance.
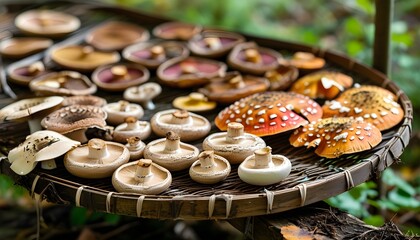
(97, 149)
(181, 117)
(48, 164)
(132, 123)
(86, 50)
(252, 55)
(263, 158)
(34, 125)
(78, 135)
(234, 133)
(158, 52)
(237, 81)
(36, 67)
(213, 42)
(133, 143)
(119, 71)
(206, 159)
(196, 97)
(123, 106)
(143, 171)
(188, 68)
(172, 143)
(149, 104)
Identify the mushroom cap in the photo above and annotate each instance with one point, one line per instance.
(116, 35)
(282, 77)
(119, 76)
(334, 137)
(190, 71)
(74, 117)
(217, 173)
(78, 163)
(116, 116)
(226, 90)
(322, 84)
(268, 58)
(375, 104)
(176, 30)
(84, 100)
(62, 83)
(306, 61)
(46, 22)
(142, 93)
(136, 147)
(196, 128)
(23, 109)
(123, 180)
(19, 47)
(201, 44)
(122, 132)
(23, 74)
(270, 113)
(194, 102)
(82, 58)
(39, 146)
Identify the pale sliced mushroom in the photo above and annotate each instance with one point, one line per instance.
(209, 168)
(263, 168)
(42, 146)
(171, 153)
(97, 159)
(119, 111)
(136, 148)
(132, 128)
(143, 94)
(234, 145)
(142, 177)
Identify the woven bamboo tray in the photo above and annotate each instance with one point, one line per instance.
(312, 178)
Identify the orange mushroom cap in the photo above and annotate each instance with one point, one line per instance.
(270, 113)
(334, 137)
(374, 104)
(306, 61)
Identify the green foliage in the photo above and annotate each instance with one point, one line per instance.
(82, 216)
(10, 192)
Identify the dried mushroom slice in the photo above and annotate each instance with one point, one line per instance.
(374, 104)
(270, 113)
(334, 137)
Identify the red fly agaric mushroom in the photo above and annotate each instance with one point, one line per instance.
(322, 84)
(374, 104)
(333, 137)
(269, 113)
(176, 30)
(306, 61)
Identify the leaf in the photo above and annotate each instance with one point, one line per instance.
(112, 218)
(366, 5)
(78, 216)
(374, 220)
(390, 178)
(354, 47)
(353, 26)
(402, 199)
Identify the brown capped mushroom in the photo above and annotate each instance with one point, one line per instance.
(176, 30)
(141, 177)
(194, 102)
(136, 147)
(84, 100)
(24, 74)
(189, 72)
(250, 58)
(333, 137)
(31, 110)
(306, 61)
(143, 94)
(131, 128)
(270, 113)
(72, 121)
(20, 47)
(233, 86)
(96, 159)
(62, 83)
(171, 153)
(117, 112)
(46, 22)
(374, 104)
(322, 84)
(120, 76)
(116, 35)
(282, 77)
(214, 43)
(189, 126)
(209, 168)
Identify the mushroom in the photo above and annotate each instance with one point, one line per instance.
(176, 30)
(141, 177)
(214, 43)
(20, 47)
(136, 147)
(189, 72)
(306, 61)
(375, 104)
(143, 94)
(322, 84)
(116, 35)
(118, 111)
(74, 120)
(233, 86)
(84, 100)
(263, 168)
(96, 159)
(171, 153)
(189, 126)
(82, 58)
(209, 168)
(31, 110)
(47, 22)
(120, 76)
(194, 102)
(333, 137)
(153, 53)
(250, 58)
(131, 128)
(23, 74)
(270, 113)
(41, 146)
(62, 83)
(282, 77)
(234, 145)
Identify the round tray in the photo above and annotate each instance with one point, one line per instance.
(312, 178)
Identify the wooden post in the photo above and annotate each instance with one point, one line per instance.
(382, 44)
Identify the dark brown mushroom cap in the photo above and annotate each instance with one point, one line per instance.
(322, 84)
(306, 61)
(74, 117)
(176, 30)
(269, 113)
(334, 137)
(282, 77)
(374, 104)
(84, 100)
(19, 47)
(233, 87)
(214, 43)
(115, 35)
(120, 76)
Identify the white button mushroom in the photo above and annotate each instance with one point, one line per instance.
(143, 94)
(131, 128)
(136, 147)
(118, 111)
(209, 168)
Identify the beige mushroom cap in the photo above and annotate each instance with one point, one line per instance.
(85, 100)
(209, 168)
(143, 94)
(119, 111)
(19, 47)
(132, 128)
(194, 102)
